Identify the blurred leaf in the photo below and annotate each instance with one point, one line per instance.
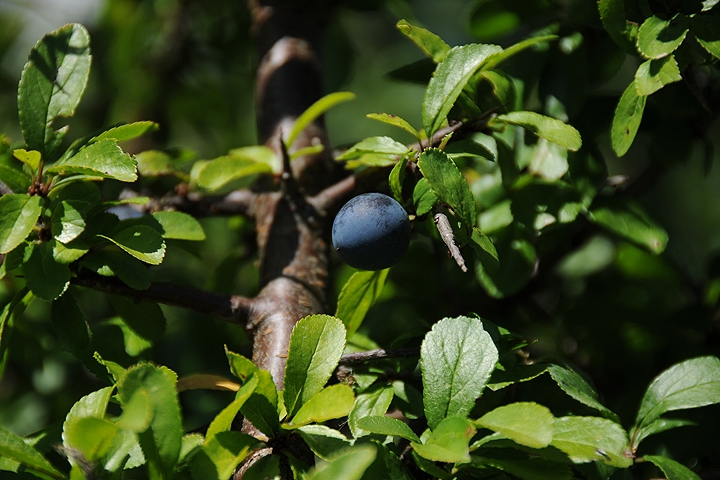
(357, 296)
(18, 215)
(349, 464)
(449, 186)
(549, 161)
(103, 158)
(451, 76)
(376, 145)
(261, 154)
(629, 221)
(161, 442)
(424, 198)
(396, 178)
(497, 58)
(575, 385)
(396, 121)
(456, 359)
(432, 45)
(179, 226)
(626, 121)
(623, 32)
(322, 440)
(550, 129)
(13, 447)
(388, 426)
(689, 384)
(316, 345)
(46, 278)
(128, 269)
(91, 436)
(221, 455)
(223, 420)
(331, 402)
(589, 439)
(530, 469)
(31, 158)
(592, 257)
(517, 258)
(316, 110)
(137, 413)
(521, 373)
(218, 173)
(525, 423)
(125, 132)
(69, 324)
(707, 32)
(502, 86)
(9, 315)
(672, 469)
(155, 163)
(52, 84)
(657, 426)
(371, 403)
(658, 37)
(448, 442)
(485, 249)
(140, 241)
(261, 409)
(652, 75)
(146, 319)
(16, 180)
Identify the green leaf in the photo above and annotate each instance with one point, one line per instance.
(218, 173)
(91, 436)
(140, 241)
(373, 402)
(162, 441)
(145, 319)
(125, 132)
(357, 296)
(13, 447)
(707, 32)
(424, 198)
(155, 163)
(525, 423)
(485, 250)
(109, 263)
(589, 439)
(70, 326)
(16, 180)
(456, 359)
(316, 110)
(68, 220)
(528, 468)
(450, 187)
(690, 384)
(44, 277)
(575, 385)
(652, 75)
(396, 121)
(30, 158)
(179, 226)
(348, 464)
(672, 469)
(331, 402)
(221, 455)
(18, 216)
(451, 76)
(503, 87)
(629, 221)
(261, 154)
(659, 37)
(432, 45)
(496, 58)
(653, 428)
(262, 406)
(9, 315)
(375, 145)
(387, 426)
(623, 32)
(521, 373)
(104, 159)
(322, 440)
(626, 121)
(448, 442)
(551, 129)
(396, 178)
(223, 420)
(137, 412)
(316, 345)
(52, 84)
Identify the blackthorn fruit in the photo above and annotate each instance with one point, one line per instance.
(371, 232)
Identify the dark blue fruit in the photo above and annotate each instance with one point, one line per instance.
(371, 232)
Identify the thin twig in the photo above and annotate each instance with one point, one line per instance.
(379, 354)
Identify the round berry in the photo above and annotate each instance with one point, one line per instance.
(371, 232)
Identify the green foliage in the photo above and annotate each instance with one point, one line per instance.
(558, 252)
